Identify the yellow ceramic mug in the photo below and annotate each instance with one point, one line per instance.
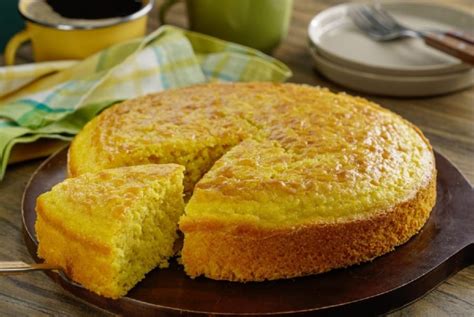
(61, 41)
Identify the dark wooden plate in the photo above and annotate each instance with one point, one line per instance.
(443, 247)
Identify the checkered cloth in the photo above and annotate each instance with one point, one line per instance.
(55, 99)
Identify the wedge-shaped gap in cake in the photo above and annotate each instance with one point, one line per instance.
(194, 131)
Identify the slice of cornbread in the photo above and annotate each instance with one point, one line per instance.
(108, 229)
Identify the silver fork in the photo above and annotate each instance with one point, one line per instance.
(381, 26)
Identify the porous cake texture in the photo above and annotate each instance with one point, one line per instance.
(187, 126)
(286, 180)
(108, 229)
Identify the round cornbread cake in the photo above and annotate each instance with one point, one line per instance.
(284, 180)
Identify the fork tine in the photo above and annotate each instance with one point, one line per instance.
(378, 24)
(384, 17)
(375, 19)
(360, 21)
(365, 23)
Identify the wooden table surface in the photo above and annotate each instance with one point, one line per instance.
(448, 121)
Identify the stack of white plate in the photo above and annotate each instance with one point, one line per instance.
(404, 68)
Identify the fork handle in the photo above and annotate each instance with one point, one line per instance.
(452, 46)
(14, 267)
(467, 37)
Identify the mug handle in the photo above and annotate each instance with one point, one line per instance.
(13, 45)
(164, 9)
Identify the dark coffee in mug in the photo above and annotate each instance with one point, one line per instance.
(95, 9)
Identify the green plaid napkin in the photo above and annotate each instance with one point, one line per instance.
(57, 105)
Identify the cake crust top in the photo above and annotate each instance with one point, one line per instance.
(293, 153)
